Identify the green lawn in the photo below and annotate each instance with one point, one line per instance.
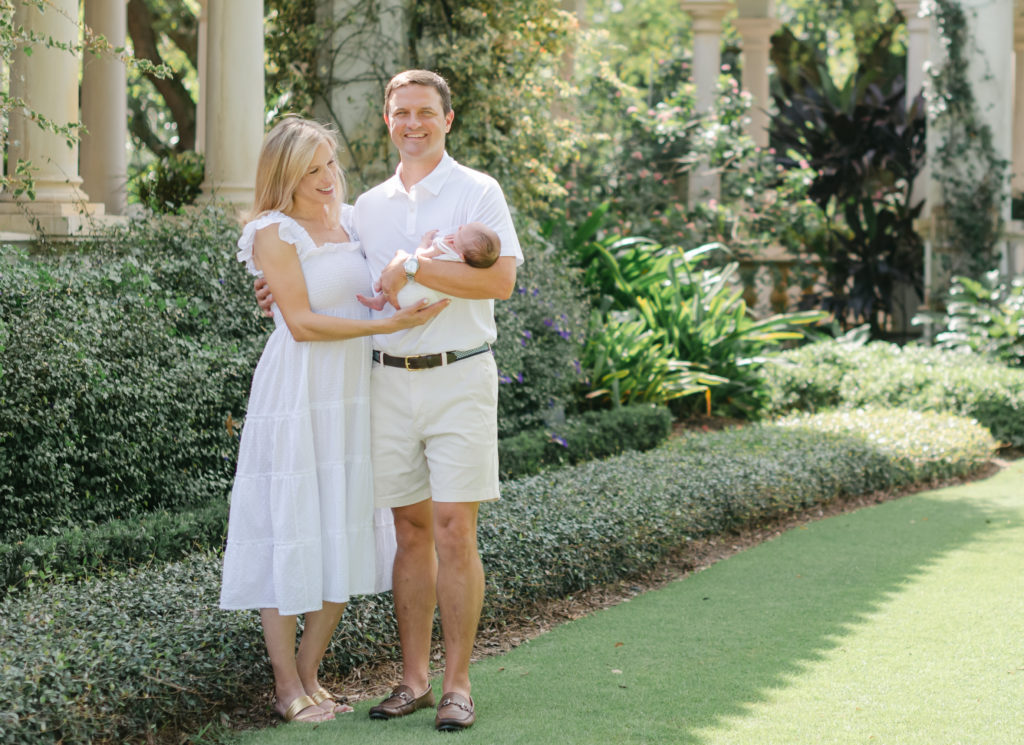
(900, 624)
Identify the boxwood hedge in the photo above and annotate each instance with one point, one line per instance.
(117, 657)
(164, 536)
(831, 374)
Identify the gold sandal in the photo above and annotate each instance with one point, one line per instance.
(321, 694)
(298, 705)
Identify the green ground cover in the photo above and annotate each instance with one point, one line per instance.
(900, 624)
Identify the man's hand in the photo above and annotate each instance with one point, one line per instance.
(392, 279)
(263, 296)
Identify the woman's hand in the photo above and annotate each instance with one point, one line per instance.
(416, 315)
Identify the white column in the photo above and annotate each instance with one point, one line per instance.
(201, 70)
(47, 80)
(991, 75)
(234, 99)
(756, 36)
(105, 110)
(1017, 182)
(707, 65)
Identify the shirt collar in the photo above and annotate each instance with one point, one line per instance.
(432, 182)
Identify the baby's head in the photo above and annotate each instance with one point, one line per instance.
(478, 244)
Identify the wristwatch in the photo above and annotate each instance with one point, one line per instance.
(411, 266)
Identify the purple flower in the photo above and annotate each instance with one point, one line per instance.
(519, 377)
(527, 334)
(549, 322)
(557, 439)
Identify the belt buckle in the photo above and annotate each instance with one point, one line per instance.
(410, 369)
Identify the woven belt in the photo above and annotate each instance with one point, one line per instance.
(426, 361)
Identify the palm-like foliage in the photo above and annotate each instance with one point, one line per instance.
(672, 324)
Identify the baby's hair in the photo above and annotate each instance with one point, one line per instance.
(484, 246)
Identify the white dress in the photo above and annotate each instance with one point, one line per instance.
(302, 527)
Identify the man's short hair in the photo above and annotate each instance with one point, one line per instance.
(420, 77)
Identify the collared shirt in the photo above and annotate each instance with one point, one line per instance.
(389, 218)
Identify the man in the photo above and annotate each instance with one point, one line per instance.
(434, 392)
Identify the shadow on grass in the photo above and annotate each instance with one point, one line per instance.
(672, 663)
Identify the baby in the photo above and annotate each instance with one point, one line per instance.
(473, 243)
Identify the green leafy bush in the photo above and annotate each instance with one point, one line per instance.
(115, 545)
(594, 434)
(82, 551)
(827, 375)
(694, 311)
(983, 316)
(121, 657)
(540, 334)
(125, 364)
(172, 182)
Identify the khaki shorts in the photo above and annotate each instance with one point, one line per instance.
(435, 433)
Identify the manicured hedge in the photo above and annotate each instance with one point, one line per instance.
(124, 361)
(115, 657)
(830, 374)
(595, 434)
(166, 536)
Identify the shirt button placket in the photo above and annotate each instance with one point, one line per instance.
(410, 214)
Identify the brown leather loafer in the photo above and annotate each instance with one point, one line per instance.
(454, 713)
(401, 702)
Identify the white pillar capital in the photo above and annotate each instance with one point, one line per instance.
(707, 14)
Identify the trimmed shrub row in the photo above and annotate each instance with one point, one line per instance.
(595, 434)
(830, 375)
(164, 536)
(123, 365)
(115, 658)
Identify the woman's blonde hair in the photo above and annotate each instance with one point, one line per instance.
(287, 151)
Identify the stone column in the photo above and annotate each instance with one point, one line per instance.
(918, 34)
(234, 99)
(105, 110)
(707, 64)
(47, 80)
(1017, 183)
(991, 75)
(756, 36)
(201, 70)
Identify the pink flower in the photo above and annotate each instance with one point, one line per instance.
(632, 110)
(636, 154)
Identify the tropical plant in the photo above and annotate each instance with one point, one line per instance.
(866, 148)
(680, 321)
(984, 316)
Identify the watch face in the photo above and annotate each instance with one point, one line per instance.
(411, 266)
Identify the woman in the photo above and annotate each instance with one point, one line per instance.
(302, 534)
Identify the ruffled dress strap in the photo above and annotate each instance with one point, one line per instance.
(287, 229)
(348, 222)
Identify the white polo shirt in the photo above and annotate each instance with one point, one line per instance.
(389, 218)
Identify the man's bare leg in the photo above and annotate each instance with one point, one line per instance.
(414, 578)
(460, 588)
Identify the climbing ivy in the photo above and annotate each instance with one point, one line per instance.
(966, 163)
